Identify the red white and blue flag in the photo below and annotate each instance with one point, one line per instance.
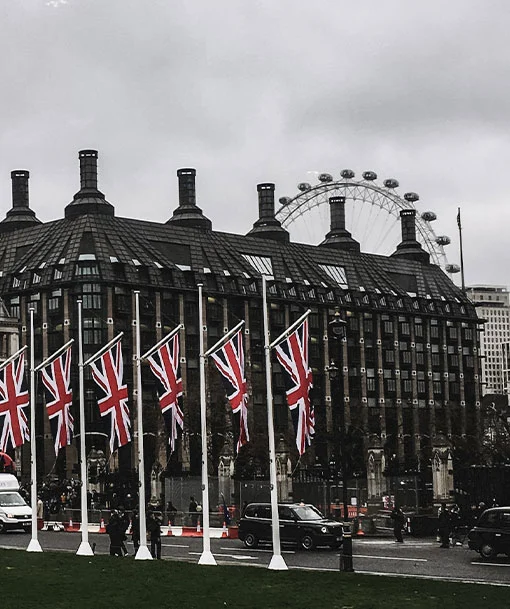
(56, 377)
(14, 399)
(229, 359)
(164, 363)
(108, 371)
(292, 353)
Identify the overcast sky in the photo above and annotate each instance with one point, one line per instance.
(252, 91)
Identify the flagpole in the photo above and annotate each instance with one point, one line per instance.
(163, 340)
(84, 548)
(290, 329)
(224, 339)
(34, 545)
(459, 223)
(143, 552)
(206, 558)
(277, 562)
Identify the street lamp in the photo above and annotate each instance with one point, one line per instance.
(337, 330)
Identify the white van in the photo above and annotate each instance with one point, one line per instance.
(14, 511)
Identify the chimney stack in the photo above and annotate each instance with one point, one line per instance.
(19, 179)
(20, 215)
(339, 237)
(188, 213)
(409, 246)
(267, 226)
(88, 200)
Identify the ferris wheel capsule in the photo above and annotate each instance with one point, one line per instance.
(325, 177)
(303, 186)
(412, 197)
(452, 268)
(443, 240)
(348, 174)
(284, 200)
(429, 216)
(369, 176)
(391, 183)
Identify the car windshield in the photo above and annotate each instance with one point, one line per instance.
(11, 499)
(307, 512)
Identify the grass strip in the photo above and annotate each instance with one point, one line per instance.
(60, 580)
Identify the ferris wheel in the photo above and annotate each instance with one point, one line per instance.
(372, 214)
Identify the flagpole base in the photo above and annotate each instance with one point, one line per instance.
(143, 553)
(277, 563)
(84, 549)
(207, 559)
(34, 546)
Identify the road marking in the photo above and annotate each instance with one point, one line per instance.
(491, 564)
(174, 545)
(258, 550)
(389, 557)
(237, 557)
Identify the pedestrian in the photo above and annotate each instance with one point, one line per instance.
(193, 512)
(399, 519)
(135, 530)
(456, 525)
(124, 526)
(115, 531)
(171, 511)
(154, 522)
(444, 526)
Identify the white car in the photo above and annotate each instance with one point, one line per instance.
(14, 511)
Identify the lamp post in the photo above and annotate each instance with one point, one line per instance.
(337, 331)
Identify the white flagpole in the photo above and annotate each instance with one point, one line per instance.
(34, 545)
(206, 558)
(84, 548)
(143, 552)
(277, 562)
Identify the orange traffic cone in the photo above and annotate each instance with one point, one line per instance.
(169, 532)
(102, 528)
(224, 532)
(198, 526)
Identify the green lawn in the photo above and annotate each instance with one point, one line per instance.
(61, 580)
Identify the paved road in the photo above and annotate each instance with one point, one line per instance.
(416, 557)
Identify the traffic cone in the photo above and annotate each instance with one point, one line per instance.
(169, 532)
(224, 532)
(70, 525)
(198, 526)
(102, 528)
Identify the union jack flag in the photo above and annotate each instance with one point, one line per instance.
(56, 377)
(164, 363)
(292, 353)
(107, 371)
(13, 399)
(229, 360)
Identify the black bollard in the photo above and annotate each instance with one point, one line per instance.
(346, 552)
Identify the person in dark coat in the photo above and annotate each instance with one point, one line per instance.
(135, 530)
(399, 519)
(154, 522)
(444, 526)
(116, 532)
(193, 512)
(124, 525)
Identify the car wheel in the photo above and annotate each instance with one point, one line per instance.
(250, 540)
(2, 527)
(487, 550)
(307, 542)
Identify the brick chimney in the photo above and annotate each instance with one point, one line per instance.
(267, 226)
(409, 247)
(188, 214)
(20, 215)
(339, 237)
(88, 200)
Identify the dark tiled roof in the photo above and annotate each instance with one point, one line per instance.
(141, 253)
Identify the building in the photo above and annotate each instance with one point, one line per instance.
(409, 383)
(492, 303)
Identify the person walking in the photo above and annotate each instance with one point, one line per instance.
(154, 522)
(193, 512)
(115, 531)
(135, 530)
(444, 526)
(399, 519)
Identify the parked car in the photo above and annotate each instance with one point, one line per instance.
(416, 525)
(301, 524)
(491, 534)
